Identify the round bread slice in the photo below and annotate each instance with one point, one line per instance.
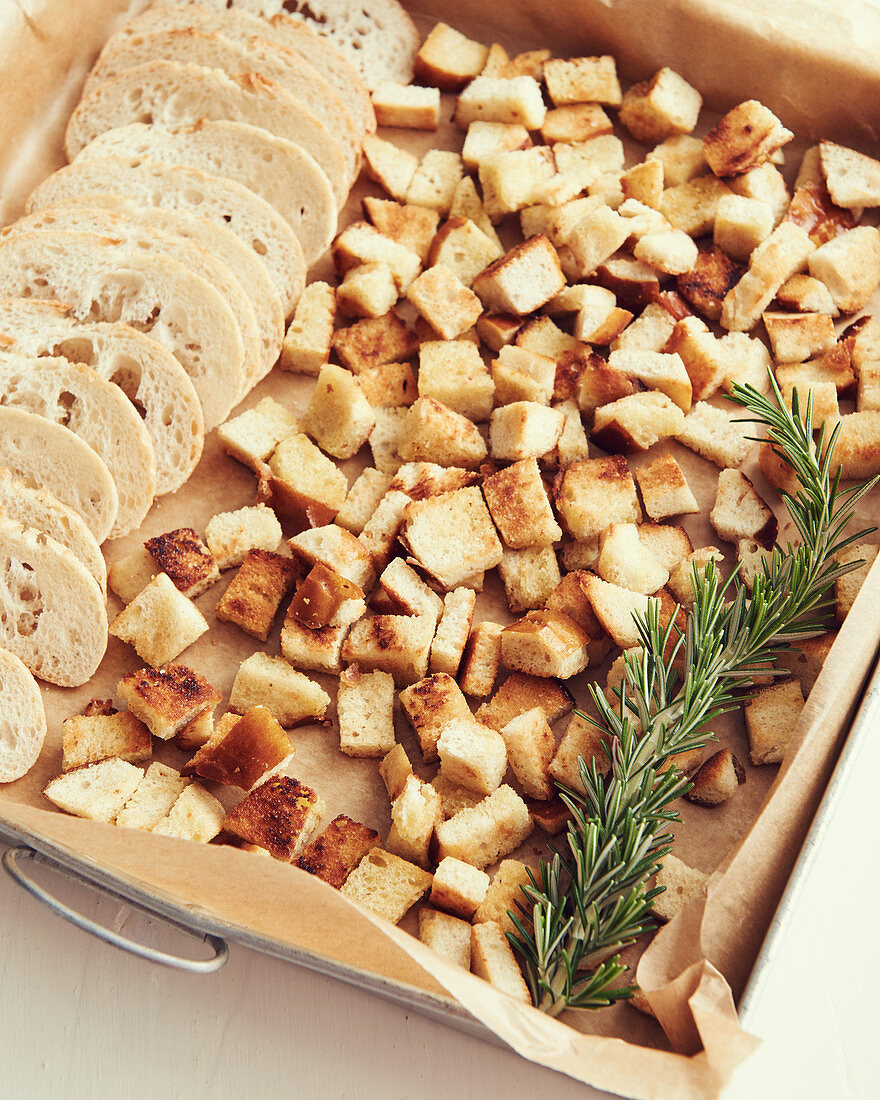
(314, 52)
(224, 202)
(22, 718)
(52, 613)
(103, 280)
(169, 94)
(82, 218)
(46, 454)
(256, 55)
(145, 371)
(282, 173)
(98, 412)
(40, 509)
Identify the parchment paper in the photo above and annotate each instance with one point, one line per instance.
(791, 57)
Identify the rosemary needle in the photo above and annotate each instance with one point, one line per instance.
(591, 898)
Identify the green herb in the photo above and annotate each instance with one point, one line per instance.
(591, 899)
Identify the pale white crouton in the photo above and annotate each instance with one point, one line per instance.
(452, 535)
(771, 716)
(541, 335)
(153, 798)
(636, 422)
(681, 883)
(626, 561)
(849, 265)
(530, 748)
(435, 180)
(361, 243)
(253, 435)
(339, 418)
(306, 344)
(384, 438)
(670, 545)
(452, 631)
(467, 203)
(775, 260)
(670, 251)
(131, 574)
(806, 295)
(657, 370)
(97, 792)
(766, 183)
(479, 666)
(447, 935)
(595, 238)
(681, 578)
(523, 279)
(796, 337)
(160, 622)
(367, 290)
(516, 101)
(572, 445)
(557, 220)
(741, 224)
(386, 884)
(406, 105)
(614, 607)
(196, 815)
(857, 451)
(381, 530)
(365, 706)
(492, 958)
(693, 205)
(389, 165)
(472, 755)
(710, 432)
(660, 107)
(458, 887)
(230, 535)
(518, 504)
(397, 644)
(522, 375)
(270, 682)
(453, 373)
(363, 500)
(434, 432)
(395, 769)
(648, 332)
(575, 122)
(682, 159)
(303, 483)
(448, 306)
(529, 577)
(739, 512)
(464, 248)
(853, 179)
(665, 491)
(448, 60)
(339, 550)
(485, 139)
(594, 493)
(746, 137)
(579, 555)
(408, 592)
(545, 643)
(486, 832)
(583, 80)
(594, 305)
(524, 429)
(414, 813)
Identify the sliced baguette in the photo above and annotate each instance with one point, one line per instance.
(40, 509)
(223, 202)
(280, 171)
(52, 613)
(169, 94)
(103, 280)
(43, 454)
(145, 371)
(99, 413)
(22, 718)
(81, 218)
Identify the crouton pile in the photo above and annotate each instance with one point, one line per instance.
(518, 334)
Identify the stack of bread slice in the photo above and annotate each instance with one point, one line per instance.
(146, 290)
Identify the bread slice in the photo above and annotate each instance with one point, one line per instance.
(224, 202)
(22, 718)
(280, 171)
(255, 55)
(80, 217)
(52, 613)
(99, 413)
(145, 371)
(40, 509)
(156, 293)
(312, 51)
(169, 94)
(41, 453)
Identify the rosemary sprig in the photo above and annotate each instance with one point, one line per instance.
(590, 900)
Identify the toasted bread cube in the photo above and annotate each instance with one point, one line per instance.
(254, 435)
(339, 418)
(160, 622)
(433, 431)
(614, 607)
(444, 301)
(571, 599)
(458, 887)
(670, 545)
(414, 813)
(853, 179)
(317, 649)
(866, 362)
(523, 279)
(557, 218)
(479, 666)
(485, 139)
(739, 513)
(665, 492)
(681, 581)
(505, 895)
(660, 107)
(775, 260)
(796, 337)
(361, 243)
(406, 106)
(692, 206)
(752, 558)
(492, 958)
(601, 384)
(716, 779)
(420, 480)
(745, 138)
(483, 834)
(637, 422)
(389, 165)
(374, 341)
(367, 290)
(408, 592)
(196, 815)
(463, 248)
(682, 158)
(452, 631)
(748, 361)
(167, 699)
(524, 429)
(710, 432)
(498, 329)
(382, 528)
(857, 451)
(771, 716)
(806, 295)
(807, 658)
(682, 884)
(519, 507)
(846, 588)
(529, 577)
(397, 644)
(363, 500)
(626, 561)
(306, 344)
(254, 595)
(88, 739)
(385, 884)
(452, 535)
(303, 484)
(515, 101)
(279, 815)
(581, 739)
(595, 238)
(385, 437)
(670, 251)
(663, 371)
(435, 180)
(703, 355)
(153, 798)
(644, 182)
(599, 320)
(453, 374)
(334, 854)
(467, 203)
(578, 555)
(575, 122)
(572, 445)
(711, 278)
(241, 752)
(411, 226)
(593, 493)
(545, 643)
(339, 550)
(766, 183)
(230, 535)
(326, 598)
(849, 265)
(97, 791)
(395, 769)
(431, 704)
(447, 935)
(390, 385)
(521, 375)
(130, 575)
(530, 749)
(583, 80)
(270, 682)
(515, 180)
(448, 60)
(741, 224)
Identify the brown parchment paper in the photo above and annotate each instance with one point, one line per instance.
(812, 64)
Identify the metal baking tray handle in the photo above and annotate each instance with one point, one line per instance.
(13, 859)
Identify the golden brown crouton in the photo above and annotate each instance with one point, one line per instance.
(529, 576)
(338, 549)
(593, 493)
(709, 280)
(271, 682)
(185, 558)
(306, 344)
(523, 279)
(660, 107)
(434, 432)
(334, 854)
(88, 739)
(279, 815)
(545, 643)
(530, 748)
(448, 60)
(326, 598)
(452, 535)
(516, 100)
(482, 834)
(518, 504)
(167, 699)
(771, 716)
(303, 484)
(505, 895)
(520, 693)
(716, 779)
(681, 885)
(452, 631)
(430, 705)
(386, 884)
(479, 666)
(412, 226)
(458, 887)
(583, 80)
(665, 492)
(339, 417)
(744, 138)
(244, 752)
(853, 179)
(374, 341)
(406, 105)
(524, 429)
(397, 644)
(255, 593)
